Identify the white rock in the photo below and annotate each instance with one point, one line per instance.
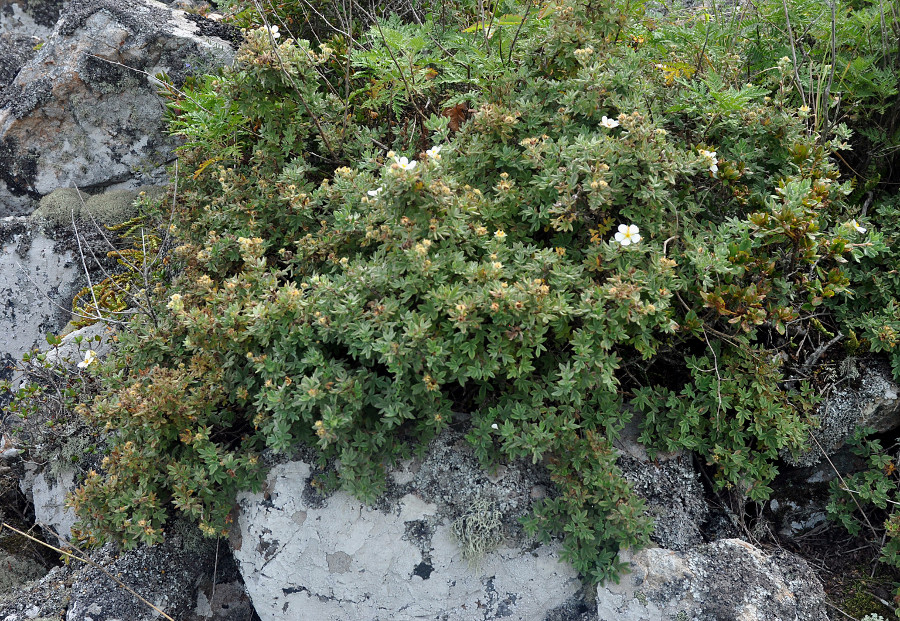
(339, 560)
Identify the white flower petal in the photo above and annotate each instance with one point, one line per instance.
(608, 122)
(90, 356)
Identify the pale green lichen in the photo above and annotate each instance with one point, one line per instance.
(107, 209)
(478, 531)
(60, 206)
(113, 207)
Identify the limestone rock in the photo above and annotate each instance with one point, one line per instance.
(163, 574)
(167, 575)
(84, 111)
(670, 487)
(15, 51)
(42, 267)
(38, 277)
(307, 557)
(34, 18)
(868, 397)
(725, 580)
(17, 570)
(48, 492)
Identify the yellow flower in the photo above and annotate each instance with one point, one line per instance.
(499, 234)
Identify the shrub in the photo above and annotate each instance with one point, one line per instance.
(583, 235)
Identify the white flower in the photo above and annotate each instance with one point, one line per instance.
(274, 32)
(628, 234)
(711, 156)
(90, 357)
(608, 123)
(375, 193)
(175, 303)
(499, 234)
(495, 426)
(434, 152)
(855, 225)
(404, 163)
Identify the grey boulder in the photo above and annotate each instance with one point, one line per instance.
(866, 396)
(84, 111)
(728, 580)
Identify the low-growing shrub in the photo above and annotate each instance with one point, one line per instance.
(583, 236)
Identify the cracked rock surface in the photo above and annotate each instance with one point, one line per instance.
(865, 396)
(728, 580)
(306, 557)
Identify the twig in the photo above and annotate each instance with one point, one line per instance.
(518, 30)
(833, 607)
(80, 251)
(827, 94)
(705, 43)
(149, 308)
(787, 19)
(63, 308)
(89, 562)
(212, 597)
(814, 357)
(843, 482)
(290, 78)
(718, 376)
(387, 45)
(666, 244)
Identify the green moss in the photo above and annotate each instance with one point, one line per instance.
(860, 603)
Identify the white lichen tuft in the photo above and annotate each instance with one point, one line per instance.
(478, 531)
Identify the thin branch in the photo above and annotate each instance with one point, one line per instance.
(80, 251)
(814, 357)
(787, 19)
(518, 30)
(409, 91)
(284, 71)
(827, 124)
(843, 482)
(69, 310)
